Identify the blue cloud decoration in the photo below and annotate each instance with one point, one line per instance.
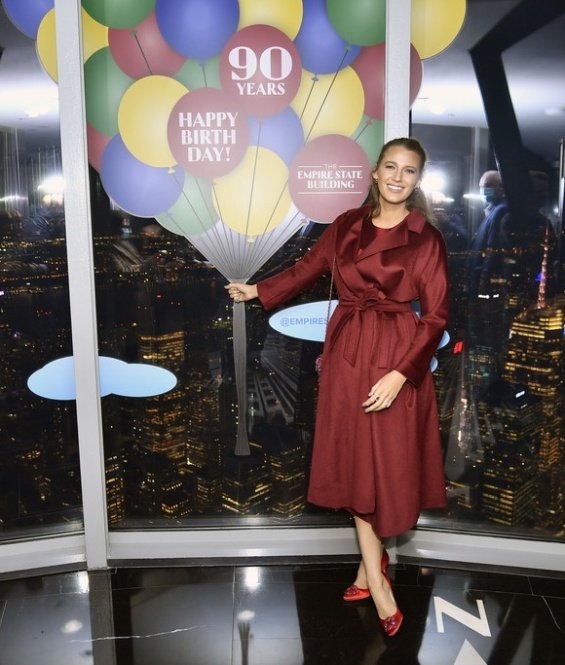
(56, 379)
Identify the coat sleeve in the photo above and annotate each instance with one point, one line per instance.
(434, 307)
(276, 290)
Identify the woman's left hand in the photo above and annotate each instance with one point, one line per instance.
(384, 392)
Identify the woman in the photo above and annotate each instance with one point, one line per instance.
(376, 446)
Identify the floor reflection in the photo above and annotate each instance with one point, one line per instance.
(279, 615)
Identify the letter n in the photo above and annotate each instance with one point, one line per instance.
(478, 624)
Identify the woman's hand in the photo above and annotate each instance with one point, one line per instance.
(241, 292)
(384, 392)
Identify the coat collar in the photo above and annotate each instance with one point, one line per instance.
(397, 237)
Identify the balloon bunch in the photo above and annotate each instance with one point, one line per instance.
(232, 122)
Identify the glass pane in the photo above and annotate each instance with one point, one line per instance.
(39, 467)
(494, 184)
(191, 188)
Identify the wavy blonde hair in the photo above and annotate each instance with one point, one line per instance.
(417, 199)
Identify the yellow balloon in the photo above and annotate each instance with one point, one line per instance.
(94, 35)
(254, 198)
(285, 15)
(143, 116)
(329, 103)
(435, 24)
(46, 45)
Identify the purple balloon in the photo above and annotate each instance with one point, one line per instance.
(26, 15)
(282, 133)
(321, 49)
(144, 191)
(197, 28)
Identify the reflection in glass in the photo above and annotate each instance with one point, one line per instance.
(39, 467)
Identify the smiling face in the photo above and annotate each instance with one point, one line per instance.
(397, 174)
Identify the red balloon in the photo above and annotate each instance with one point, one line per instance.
(142, 51)
(208, 133)
(260, 67)
(97, 143)
(370, 67)
(328, 176)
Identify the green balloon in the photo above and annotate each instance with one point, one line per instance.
(359, 22)
(369, 135)
(193, 212)
(200, 73)
(120, 14)
(105, 84)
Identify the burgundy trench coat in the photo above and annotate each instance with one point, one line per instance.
(384, 466)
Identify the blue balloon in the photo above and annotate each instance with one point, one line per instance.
(26, 15)
(144, 191)
(321, 49)
(282, 133)
(197, 28)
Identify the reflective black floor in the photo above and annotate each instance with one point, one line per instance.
(279, 615)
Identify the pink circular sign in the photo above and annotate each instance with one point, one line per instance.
(208, 133)
(328, 176)
(261, 68)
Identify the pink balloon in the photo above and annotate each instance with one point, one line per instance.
(260, 67)
(142, 51)
(328, 176)
(370, 67)
(208, 133)
(97, 143)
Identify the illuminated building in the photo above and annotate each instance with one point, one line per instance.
(246, 489)
(536, 359)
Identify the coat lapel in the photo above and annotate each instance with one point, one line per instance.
(396, 237)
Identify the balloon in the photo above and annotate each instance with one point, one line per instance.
(193, 213)
(370, 67)
(94, 35)
(208, 134)
(329, 175)
(197, 28)
(254, 197)
(26, 15)
(105, 83)
(435, 24)
(121, 14)
(260, 67)
(143, 51)
(97, 143)
(286, 15)
(321, 49)
(200, 73)
(144, 191)
(143, 118)
(359, 21)
(281, 133)
(329, 104)
(370, 136)
(46, 45)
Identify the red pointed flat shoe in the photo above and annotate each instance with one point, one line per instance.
(355, 592)
(391, 625)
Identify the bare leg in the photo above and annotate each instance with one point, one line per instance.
(371, 552)
(361, 579)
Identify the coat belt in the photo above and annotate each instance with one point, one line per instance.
(372, 300)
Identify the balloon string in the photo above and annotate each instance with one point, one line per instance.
(257, 246)
(141, 51)
(204, 227)
(229, 239)
(361, 131)
(327, 93)
(270, 248)
(251, 191)
(200, 221)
